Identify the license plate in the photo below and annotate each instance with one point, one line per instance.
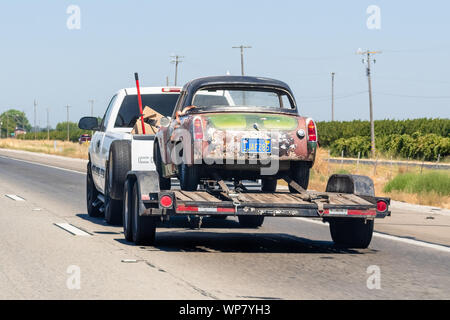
(338, 212)
(252, 145)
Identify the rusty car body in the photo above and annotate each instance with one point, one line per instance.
(231, 128)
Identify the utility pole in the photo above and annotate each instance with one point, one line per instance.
(167, 81)
(35, 106)
(92, 107)
(368, 54)
(332, 96)
(68, 136)
(176, 59)
(242, 47)
(48, 125)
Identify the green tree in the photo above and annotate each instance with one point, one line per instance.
(11, 119)
(62, 126)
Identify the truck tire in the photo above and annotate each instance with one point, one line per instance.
(91, 195)
(127, 210)
(189, 178)
(164, 183)
(351, 232)
(269, 185)
(251, 221)
(299, 173)
(113, 207)
(143, 228)
(119, 164)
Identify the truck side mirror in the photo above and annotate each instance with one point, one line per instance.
(88, 123)
(165, 122)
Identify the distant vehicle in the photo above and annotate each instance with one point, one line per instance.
(84, 138)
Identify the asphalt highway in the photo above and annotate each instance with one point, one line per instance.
(287, 258)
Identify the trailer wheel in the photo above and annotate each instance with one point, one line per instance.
(113, 208)
(251, 221)
(269, 185)
(164, 183)
(143, 228)
(127, 210)
(299, 173)
(91, 195)
(119, 164)
(351, 233)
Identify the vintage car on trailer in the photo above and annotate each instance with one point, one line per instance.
(232, 128)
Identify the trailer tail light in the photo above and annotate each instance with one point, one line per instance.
(381, 206)
(312, 132)
(198, 129)
(166, 201)
(171, 90)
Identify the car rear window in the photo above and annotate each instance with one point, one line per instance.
(129, 110)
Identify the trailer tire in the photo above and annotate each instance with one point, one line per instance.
(351, 232)
(164, 183)
(269, 185)
(119, 164)
(91, 195)
(143, 228)
(299, 173)
(127, 210)
(251, 221)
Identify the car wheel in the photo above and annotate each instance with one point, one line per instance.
(164, 183)
(113, 208)
(91, 195)
(299, 173)
(269, 185)
(251, 221)
(119, 164)
(351, 233)
(143, 228)
(127, 210)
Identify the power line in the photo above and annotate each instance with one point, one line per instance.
(176, 59)
(328, 97)
(412, 96)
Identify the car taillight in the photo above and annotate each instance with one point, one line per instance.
(171, 90)
(166, 201)
(312, 133)
(198, 130)
(381, 206)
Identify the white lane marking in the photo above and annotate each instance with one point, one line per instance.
(14, 197)
(44, 165)
(72, 229)
(394, 238)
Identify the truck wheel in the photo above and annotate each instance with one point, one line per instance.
(351, 233)
(91, 195)
(144, 228)
(299, 173)
(113, 208)
(189, 178)
(127, 210)
(269, 185)
(251, 221)
(164, 183)
(118, 166)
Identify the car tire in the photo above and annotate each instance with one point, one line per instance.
(269, 185)
(127, 210)
(351, 232)
(189, 177)
(113, 207)
(91, 195)
(143, 228)
(119, 164)
(251, 221)
(164, 183)
(299, 173)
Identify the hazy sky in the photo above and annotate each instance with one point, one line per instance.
(299, 42)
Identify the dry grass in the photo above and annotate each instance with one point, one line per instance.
(381, 176)
(63, 148)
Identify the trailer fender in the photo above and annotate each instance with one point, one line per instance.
(350, 183)
(147, 182)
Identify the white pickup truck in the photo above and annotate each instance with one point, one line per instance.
(109, 151)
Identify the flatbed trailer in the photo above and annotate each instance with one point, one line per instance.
(349, 203)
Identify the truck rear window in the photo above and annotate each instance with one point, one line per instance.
(129, 110)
